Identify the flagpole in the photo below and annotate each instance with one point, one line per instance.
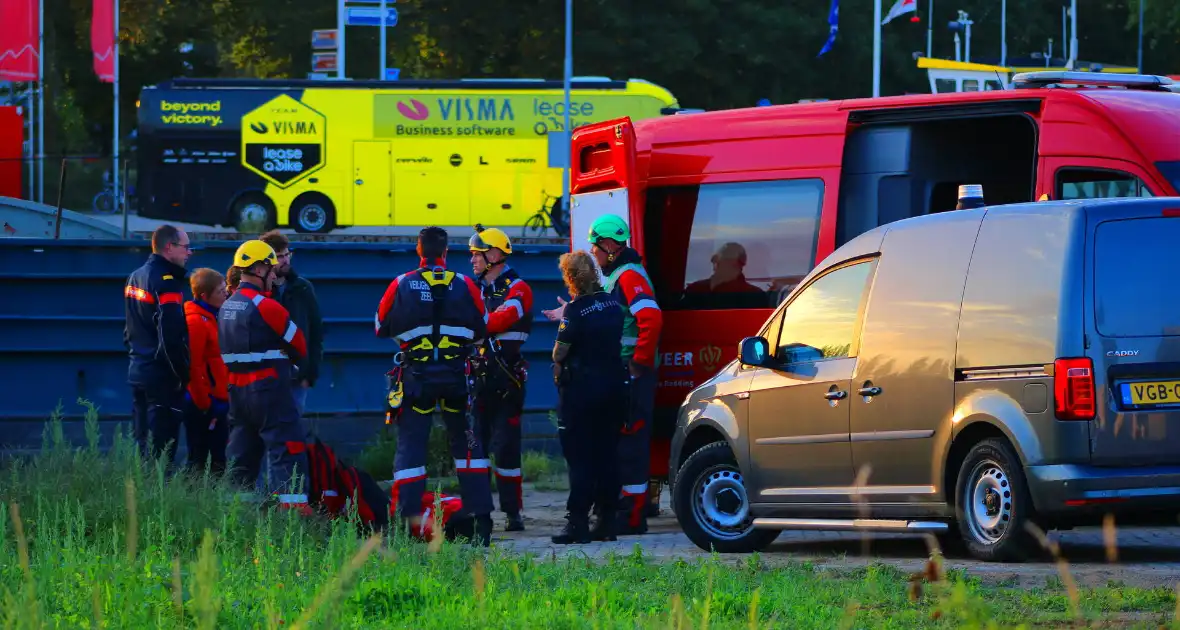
(41, 101)
(383, 53)
(876, 48)
(1004, 33)
(567, 77)
(341, 23)
(930, 30)
(115, 146)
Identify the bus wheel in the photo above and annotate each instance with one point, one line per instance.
(252, 214)
(313, 215)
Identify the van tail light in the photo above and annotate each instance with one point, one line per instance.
(1074, 390)
(1172, 212)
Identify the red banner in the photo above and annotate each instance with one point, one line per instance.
(18, 40)
(102, 39)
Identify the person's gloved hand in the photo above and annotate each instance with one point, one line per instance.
(219, 408)
(189, 403)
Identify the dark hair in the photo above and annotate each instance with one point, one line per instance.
(579, 273)
(276, 239)
(432, 242)
(164, 236)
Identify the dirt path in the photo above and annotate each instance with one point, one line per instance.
(1146, 557)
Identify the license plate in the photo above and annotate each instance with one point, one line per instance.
(1152, 393)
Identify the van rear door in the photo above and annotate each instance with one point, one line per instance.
(1133, 315)
(602, 156)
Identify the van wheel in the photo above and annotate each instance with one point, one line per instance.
(313, 215)
(993, 504)
(253, 214)
(712, 506)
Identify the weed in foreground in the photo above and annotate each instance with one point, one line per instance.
(96, 539)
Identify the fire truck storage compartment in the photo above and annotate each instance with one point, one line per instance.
(896, 169)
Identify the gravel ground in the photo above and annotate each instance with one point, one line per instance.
(1146, 557)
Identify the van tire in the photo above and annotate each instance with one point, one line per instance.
(993, 505)
(707, 474)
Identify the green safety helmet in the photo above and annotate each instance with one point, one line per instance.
(610, 226)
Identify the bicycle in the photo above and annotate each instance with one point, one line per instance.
(548, 215)
(104, 201)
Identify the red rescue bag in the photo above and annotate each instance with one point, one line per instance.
(333, 483)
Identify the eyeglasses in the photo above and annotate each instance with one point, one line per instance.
(188, 246)
(286, 254)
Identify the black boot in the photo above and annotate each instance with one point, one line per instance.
(515, 523)
(604, 528)
(575, 532)
(483, 530)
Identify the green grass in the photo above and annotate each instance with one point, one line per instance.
(545, 472)
(92, 539)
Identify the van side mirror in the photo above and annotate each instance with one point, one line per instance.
(754, 351)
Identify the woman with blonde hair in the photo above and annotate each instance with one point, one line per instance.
(592, 393)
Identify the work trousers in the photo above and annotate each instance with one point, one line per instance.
(499, 424)
(634, 450)
(589, 436)
(207, 437)
(413, 437)
(158, 415)
(262, 420)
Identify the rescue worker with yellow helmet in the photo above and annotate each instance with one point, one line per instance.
(500, 363)
(260, 344)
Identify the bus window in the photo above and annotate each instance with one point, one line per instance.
(732, 246)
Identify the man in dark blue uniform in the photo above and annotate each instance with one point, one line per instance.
(500, 402)
(438, 317)
(260, 346)
(156, 337)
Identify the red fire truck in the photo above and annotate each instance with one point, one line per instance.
(730, 209)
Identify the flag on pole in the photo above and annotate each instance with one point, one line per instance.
(901, 7)
(102, 39)
(833, 19)
(19, 40)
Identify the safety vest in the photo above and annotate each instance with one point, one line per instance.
(630, 324)
(503, 291)
(435, 318)
(253, 348)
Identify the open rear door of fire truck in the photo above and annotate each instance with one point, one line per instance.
(602, 169)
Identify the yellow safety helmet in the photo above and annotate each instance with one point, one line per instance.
(255, 251)
(487, 238)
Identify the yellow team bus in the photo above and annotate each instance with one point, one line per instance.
(315, 155)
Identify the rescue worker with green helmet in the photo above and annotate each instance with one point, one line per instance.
(627, 280)
(500, 399)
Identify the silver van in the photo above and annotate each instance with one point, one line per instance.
(965, 372)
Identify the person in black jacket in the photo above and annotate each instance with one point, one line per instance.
(593, 391)
(156, 337)
(297, 295)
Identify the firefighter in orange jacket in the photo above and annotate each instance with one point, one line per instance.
(260, 345)
(207, 399)
(509, 302)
